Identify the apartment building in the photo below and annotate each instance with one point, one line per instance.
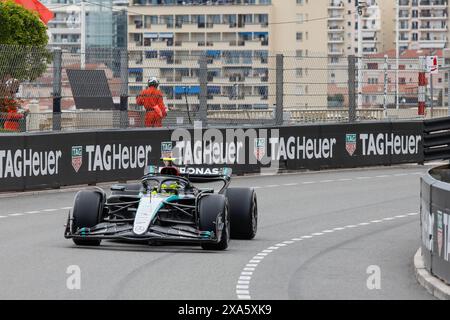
(424, 24)
(241, 39)
(105, 25)
(377, 66)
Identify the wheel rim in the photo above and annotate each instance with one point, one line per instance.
(254, 215)
(228, 227)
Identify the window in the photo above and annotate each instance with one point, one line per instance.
(299, 36)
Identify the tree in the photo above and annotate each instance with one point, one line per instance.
(23, 52)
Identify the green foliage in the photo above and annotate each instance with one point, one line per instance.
(23, 52)
(19, 26)
(23, 40)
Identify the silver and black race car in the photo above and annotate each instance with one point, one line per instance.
(166, 207)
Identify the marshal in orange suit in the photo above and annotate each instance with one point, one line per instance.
(152, 100)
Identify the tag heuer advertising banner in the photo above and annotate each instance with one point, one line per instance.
(50, 160)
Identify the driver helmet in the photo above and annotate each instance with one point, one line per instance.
(153, 82)
(172, 188)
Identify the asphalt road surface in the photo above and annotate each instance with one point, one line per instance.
(321, 235)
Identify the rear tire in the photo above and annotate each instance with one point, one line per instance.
(243, 207)
(86, 213)
(209, 208)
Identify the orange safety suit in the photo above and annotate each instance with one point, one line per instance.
(152, 100)
(12, 119)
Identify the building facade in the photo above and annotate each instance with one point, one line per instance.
(424, 24)
(105, 24)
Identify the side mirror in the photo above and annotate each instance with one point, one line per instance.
(117, 188)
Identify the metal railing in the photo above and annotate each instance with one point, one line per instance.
(93, 120)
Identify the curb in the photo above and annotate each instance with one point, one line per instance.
(434, 285)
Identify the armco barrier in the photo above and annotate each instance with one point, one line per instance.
(51, 160)
(436, 139)
(435, 221)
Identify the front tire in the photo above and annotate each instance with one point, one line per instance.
(210, 208)
(243, 212)
(86, 213)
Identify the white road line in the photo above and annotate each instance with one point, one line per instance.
(241, 287)
(243, 283)
(246, 292)
(343, 180)
(66, 208)
(257, 258)
(32, 212)
(272, 186)
(363, 178)
(2, 217)
(16, 214)
(326, 181)
(290, 184)
(308, 182)
(50, 210)
(383, 176)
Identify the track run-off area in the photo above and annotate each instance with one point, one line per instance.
(320, 236)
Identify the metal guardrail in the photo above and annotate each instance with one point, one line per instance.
(437, 139)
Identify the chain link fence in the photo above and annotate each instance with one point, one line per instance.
(98, 89)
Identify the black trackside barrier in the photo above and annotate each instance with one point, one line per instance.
(52, 160)
(435, 221)
(437, 139)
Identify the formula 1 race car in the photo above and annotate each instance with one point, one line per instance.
(166, 207)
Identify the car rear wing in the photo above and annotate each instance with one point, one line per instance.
(197, 174)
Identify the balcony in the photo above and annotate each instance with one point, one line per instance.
(434, 3)
(336, 40)
(335, 52)
(336, 29)
(336, 18)
(336, 4)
